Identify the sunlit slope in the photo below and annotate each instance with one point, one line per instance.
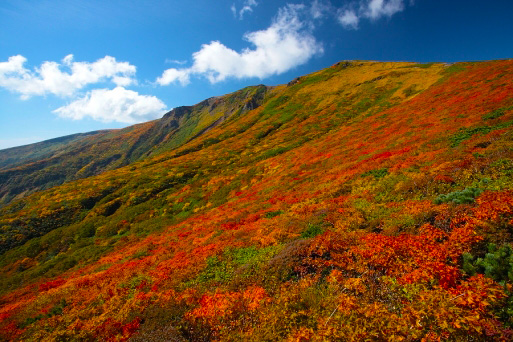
(341, 208)
(291, 117)
(26, 169)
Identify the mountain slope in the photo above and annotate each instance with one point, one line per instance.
(15, 156)
(26, 169)
(358, 202)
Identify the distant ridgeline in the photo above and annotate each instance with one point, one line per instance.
(27, 169)
(367, 201)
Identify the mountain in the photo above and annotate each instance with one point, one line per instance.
(366, 201)
(15, 156)
(27, 169)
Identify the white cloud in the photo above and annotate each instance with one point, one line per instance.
(348, 19)
(175, 61)
(319, 9)
(50, 79)
(173, 75)
(247, 7)
(287, 43)
(13, 65)
(383, 8)
(106, 105)
(351, 15)
(118, 104)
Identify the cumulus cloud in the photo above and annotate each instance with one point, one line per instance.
(351, 15)
(171, 75)
(49, 78)
(68, 77)
(287, 43)
(118, 104)
(382, 8)
(247, 7)
(349, 19)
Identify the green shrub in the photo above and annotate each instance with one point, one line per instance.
(87, 230)
(466, 133)
(240, 261)
(497, 263)
(274, 152)
(311, 231)
(271, 214)
(217, 270)
(378, 173)
(465, 196)
(497, 113)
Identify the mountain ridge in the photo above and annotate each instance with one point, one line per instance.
(364, 201)
(26, 169)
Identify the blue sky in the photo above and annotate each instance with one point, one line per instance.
(69, 66)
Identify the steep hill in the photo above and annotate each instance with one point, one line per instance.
(366, 201)
(35, 167)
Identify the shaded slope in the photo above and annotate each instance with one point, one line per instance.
(15, 156)
(26, 169)
(341, 208)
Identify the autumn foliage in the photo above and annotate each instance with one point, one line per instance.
(357, 204)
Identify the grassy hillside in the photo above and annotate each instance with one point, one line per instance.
(27, 169)
(15, 156)
(366, 201)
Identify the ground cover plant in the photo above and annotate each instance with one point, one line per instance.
(367, 201)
